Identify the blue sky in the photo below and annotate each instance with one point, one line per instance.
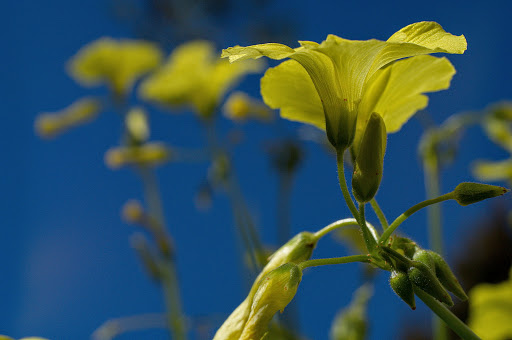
(67, 263)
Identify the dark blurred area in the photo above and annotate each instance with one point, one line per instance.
(170, 22)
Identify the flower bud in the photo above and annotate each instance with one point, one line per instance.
(298, 249)
(446, 277)
(275, 291)
(150, 154)
(137, 125)
(425, 257)
(422, 277)
(402, 286)
(469, 193)
(370, 160)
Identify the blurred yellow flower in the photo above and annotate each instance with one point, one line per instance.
(490, 310)
(240, 107)
(84, 110)
(195, 76)
(337, 84)
(118, 63)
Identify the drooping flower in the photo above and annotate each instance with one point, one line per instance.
(195, 76)
(337, 84)
(118, 63)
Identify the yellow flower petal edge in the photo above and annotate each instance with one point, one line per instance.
(118, 63)
(194, 76)
(341, 71)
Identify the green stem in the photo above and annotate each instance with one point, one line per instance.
(334, 260)
(447, 316)
(283, 207)
(385, 235)
(432, 184)
(114, 327)
(169, 281)
(380, 215)
(343, 185)
(335, 225)
(369, 239)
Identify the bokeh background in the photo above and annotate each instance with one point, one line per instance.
(66, 263)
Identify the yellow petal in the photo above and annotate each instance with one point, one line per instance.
(490, 308)
(396, 92)
(82, 111)
(194, 76)
(118, 63)
(289, 88)
(493, 171)
(271, 50)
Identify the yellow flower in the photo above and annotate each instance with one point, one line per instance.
(194, 76)
(82, 111)
(337, 84)
(490, 307)
(119, 63)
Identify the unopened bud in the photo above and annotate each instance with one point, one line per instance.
(149, 154)
(49, 125)
(370, 160)
(447, 278)
(402, 286)
(422, 277)
(425, 257)
(137, 124)
(132, 211)
(275, 291)
(240, 107)
(469, 193)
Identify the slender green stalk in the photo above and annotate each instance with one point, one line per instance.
(380, 214)
(335, 225)
(435, 229)
(114, 327)
(283, 207)
(385, 235)
(343, 185)
(169, 281)
(334, 260)
(447, 316)
(369, 239)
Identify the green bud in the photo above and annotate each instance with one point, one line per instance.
(425, 257)
(425, 279)
(136, 122)
(232, 328)
(370, 160)
(402, 286)
(446, 277)
(275, 291)
(469, 193)
(407, 246)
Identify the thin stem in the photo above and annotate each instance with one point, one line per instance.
(435, 229)
(343, 185)
(385, 235)
(369, 239)
(283, 207)
(380, 214)
(334, 260)
(169, 281)
(447, 316)
(335, 225)
(114, 327)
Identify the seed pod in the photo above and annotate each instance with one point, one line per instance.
(402, 286)
(425, 279)
(469, 193)
(370, 160)
(425, 257)
(446, 276)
